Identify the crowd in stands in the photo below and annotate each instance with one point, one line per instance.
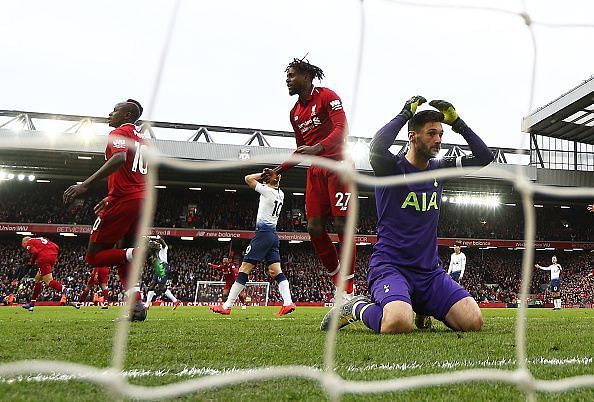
(218, 209)
(491, 275)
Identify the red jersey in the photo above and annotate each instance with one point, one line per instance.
(320, 119)
(127, 183)
(230, 271)
(41, 247)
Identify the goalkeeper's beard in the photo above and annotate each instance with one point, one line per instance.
(427, 153)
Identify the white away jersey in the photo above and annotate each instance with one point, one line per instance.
(271, 203)
(163, 254)
(555, 270)
(457, 263)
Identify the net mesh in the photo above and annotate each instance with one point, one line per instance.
(113, 378)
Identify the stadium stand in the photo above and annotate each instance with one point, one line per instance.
(209, 209)
(492, 275)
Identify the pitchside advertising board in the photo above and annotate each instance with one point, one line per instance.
(40, 228)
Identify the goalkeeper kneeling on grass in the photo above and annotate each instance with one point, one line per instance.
(405, 272)
(265, 244)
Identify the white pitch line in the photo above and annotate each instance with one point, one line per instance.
(406, 366)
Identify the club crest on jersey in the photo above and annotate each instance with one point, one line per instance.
(419, 202)
(315, 119)
(386, 288)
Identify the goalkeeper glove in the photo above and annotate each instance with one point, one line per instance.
(450, 116)
(410, 107)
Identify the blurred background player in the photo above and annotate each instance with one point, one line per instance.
(321, 128)
(405, 271)
(119, 213)
(158, 259)
(230, 272)
(264, 245)
(555, 270)
(99, 276)
(457, 264)
(44, 254)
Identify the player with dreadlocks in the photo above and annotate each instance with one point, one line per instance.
(321, 128)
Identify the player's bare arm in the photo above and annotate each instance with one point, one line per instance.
(310, 149)
(100, 206)
(252, 179)
(113, 164)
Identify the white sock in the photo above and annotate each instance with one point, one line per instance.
(129, 256)
(149, 298)
(233, 295)
(170, 295)
(283, 288)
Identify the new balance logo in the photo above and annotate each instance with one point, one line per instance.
(336, 104)
(119, 144)
(295, 118)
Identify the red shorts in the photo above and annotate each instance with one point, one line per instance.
(118, 220)
(228, 285)
(325, 194)
(46, 264)
(99, 275)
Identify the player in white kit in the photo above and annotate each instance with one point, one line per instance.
(555, 270)
(457, 264)
(265, 244)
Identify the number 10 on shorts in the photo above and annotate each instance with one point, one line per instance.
(342, 200)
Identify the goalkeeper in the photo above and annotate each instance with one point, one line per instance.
(158, 260)
(405, 273)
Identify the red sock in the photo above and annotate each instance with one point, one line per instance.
(123, 275)
(327, 253)
(36, 291)
(105, 295)
(351, 269)
(123, 272)
(54, 284)
(107, 257)
(83, 295)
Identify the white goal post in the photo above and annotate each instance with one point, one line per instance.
(212, 291)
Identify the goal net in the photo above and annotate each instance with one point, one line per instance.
(333, 384)
(209, 292)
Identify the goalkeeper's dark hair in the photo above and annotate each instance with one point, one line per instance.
(135, 113)
(305, 67)
(423, 117)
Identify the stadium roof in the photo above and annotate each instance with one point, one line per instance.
(569, 117)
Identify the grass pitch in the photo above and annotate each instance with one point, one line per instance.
(175, 346)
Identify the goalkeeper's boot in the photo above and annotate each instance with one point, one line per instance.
(76, 305)
(344, 312)
(220, 309)
(176, 305)
(28, 306)
(423, 321)
(105, 305)
(286, 310)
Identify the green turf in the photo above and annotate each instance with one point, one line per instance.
(192, 337)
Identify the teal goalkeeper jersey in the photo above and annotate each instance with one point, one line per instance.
(159, 268)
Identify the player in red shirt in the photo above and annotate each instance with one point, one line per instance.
(119, 213)
(99, 276)
(44, 254)
(321, 128)
(230, 272)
